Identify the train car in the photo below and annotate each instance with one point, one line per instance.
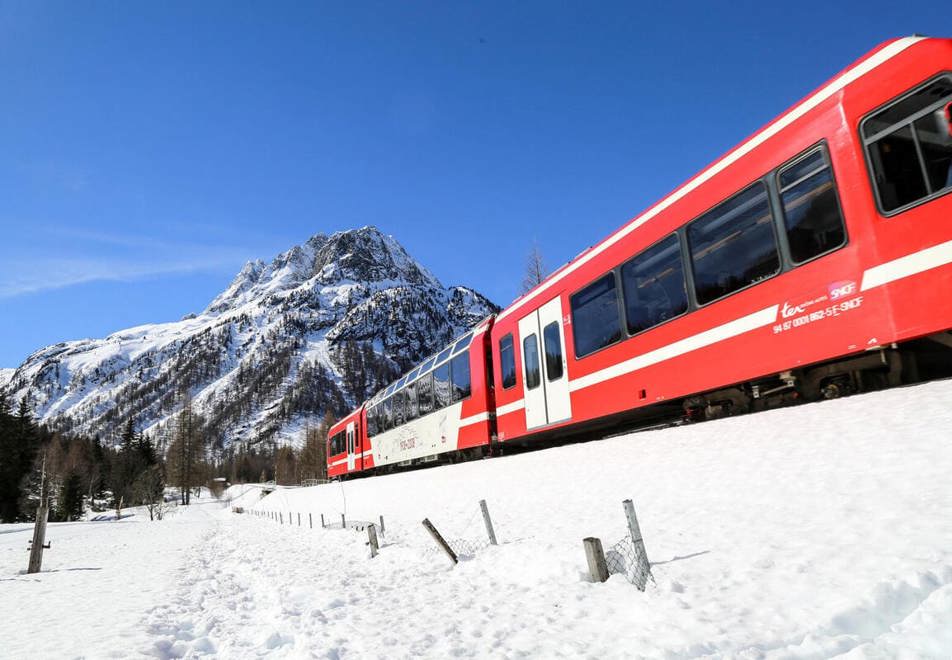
(438, 411)
(802, 264)
(347, 447)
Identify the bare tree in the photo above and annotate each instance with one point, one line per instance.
(150, 490)
(535, 269)
(186, 451)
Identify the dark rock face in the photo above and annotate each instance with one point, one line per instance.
(321, 327)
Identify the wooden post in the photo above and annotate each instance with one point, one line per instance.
(440, 541)
(39, 528)
(310, 520)
(372, 538)
(322, 522)
(597, 568)
(488, 521)
(39, 537)
(343, 522)
(383, 530)
(282, 518)
(299, 520)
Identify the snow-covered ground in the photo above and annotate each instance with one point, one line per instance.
(813, 532)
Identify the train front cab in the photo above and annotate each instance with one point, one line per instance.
(347, 448)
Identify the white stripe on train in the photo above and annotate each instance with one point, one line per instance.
(897, 269)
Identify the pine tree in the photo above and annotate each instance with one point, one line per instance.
(70, 501)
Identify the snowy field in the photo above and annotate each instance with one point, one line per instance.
(813, 532)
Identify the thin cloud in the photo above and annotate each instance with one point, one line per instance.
(41, 275)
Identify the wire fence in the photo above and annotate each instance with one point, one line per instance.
(626, 557)
(629, 559)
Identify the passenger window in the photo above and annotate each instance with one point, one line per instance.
(733, 245)
(371, 422)
(530, 351)
(425, 394)
(653, 284)
(595, 319)
(387, 415)
(811, 211)
(460, 376)
(462, 343)
(398, 409)
(441, 386)
(411, 402)
(909, 145)
(552, 339)
(507, 361)
(444, 354)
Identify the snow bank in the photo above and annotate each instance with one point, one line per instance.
(804, 532)
(811, 532)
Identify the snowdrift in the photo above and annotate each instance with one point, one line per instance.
(806, 532)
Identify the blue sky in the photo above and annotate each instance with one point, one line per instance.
(148, 150)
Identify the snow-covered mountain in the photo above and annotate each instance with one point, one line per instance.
(320, 327)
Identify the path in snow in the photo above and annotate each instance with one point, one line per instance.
(98, 579)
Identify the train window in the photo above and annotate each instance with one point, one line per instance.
(425, 394)
(338, 443)
(733, 245)
(507, 361)
(442, 396)
(462, 343)
(653, 285)
(412, 407)
(459, 373)
(909, 145)
(399, 412)
(445, 354)
(371, 422)
(552, 340)
(595, 317)
(811, 211)
(387, 416)
(530, 351)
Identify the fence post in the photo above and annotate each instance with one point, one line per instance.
(597, 568)
(282, 517)
(322, 522)
(310, 520)
(343, 521)
(372, 538)
(383, 530)
(299, 520)
(440, 541)
(488, 521)
(39, 535)
(641, 555)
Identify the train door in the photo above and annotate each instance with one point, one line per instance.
(546, 380)
(351, 450)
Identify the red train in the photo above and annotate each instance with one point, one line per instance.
(813, 260)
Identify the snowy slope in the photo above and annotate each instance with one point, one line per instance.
(5, 376)
(268, 354)
(807, 532)
(812, 532)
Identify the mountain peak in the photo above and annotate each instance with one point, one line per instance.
(318, 327)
